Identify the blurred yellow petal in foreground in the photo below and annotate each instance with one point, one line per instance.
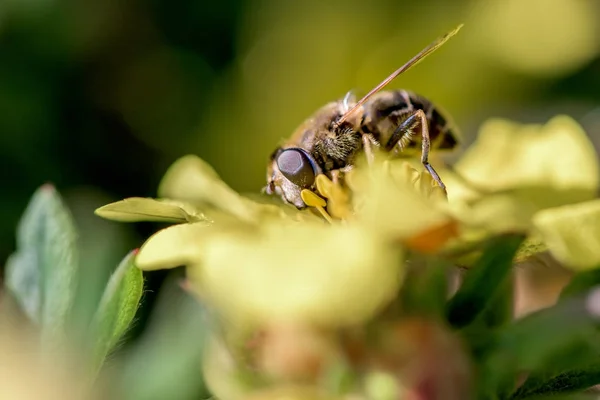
(326, 275)
(556, 155)
(392, 198)
(265, 263)
(192, 180)
(572, 233)
(512, 171)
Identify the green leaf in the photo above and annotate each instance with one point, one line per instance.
(42, 274)
(499, 310)
(545, 343)
(117, 308)
(497, 313)
(581, 282)
(425, 289)
(137, 209)
(165, 363)
(567, 382)
(571, 396)
(483, 280)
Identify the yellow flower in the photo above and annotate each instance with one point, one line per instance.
(513, 178)
(282, 271)
(191, 191)
(192, 180)
(391, 198)
(555, 163)
(267, 264)
(572, 233)
(259, 262)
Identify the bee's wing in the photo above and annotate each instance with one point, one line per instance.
(411, 63)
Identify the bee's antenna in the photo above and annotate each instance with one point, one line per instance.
(411, 63)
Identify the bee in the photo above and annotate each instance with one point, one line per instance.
(397, 121)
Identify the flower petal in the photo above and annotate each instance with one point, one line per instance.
(191, 179)
(172, 247)
(433, 239)
(572, 233)
(388, 199)
(222, 374)
(558, 155)
(513, 171)
(328, 275)
(136, 209)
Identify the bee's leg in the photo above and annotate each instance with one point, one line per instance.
(335, 176)
(369, 143)
(405, 132)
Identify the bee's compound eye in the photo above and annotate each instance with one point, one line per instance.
(295, 165)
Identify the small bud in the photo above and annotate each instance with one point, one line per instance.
(293, 353)
(425, 358)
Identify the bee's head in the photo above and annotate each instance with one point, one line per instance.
(291, 170)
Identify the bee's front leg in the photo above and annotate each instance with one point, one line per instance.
(369, 143)
(404, 134)
(335, 176)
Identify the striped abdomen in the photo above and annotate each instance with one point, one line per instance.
(388, 109)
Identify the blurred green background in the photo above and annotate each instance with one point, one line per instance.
(99, 97)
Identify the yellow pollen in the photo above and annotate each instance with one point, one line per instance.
(311, 199)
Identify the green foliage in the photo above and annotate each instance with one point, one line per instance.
(43, 274)
(482, 283)
(141, 209)
(117, 308)
(557, 348)
(165, 362)
(425, 272)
